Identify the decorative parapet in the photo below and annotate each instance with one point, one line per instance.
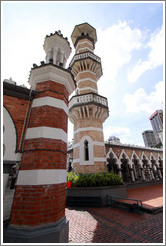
(85, 55)
(133, 146)
(90, 98)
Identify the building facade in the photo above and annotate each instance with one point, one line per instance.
(133, 163)
(156, 120)
(149, 138)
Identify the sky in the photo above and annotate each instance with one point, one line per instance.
(130, 43)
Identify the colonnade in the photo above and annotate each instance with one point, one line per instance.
(135, 169)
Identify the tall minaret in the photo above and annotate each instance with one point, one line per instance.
(38, 211)
(87, 109)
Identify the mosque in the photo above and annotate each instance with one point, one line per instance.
(35, 138)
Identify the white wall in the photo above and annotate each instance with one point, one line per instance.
(9, 137)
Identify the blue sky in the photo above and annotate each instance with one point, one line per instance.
(130, 44)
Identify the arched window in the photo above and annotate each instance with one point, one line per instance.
(86, 150)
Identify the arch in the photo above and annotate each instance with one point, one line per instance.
(114, 156)
(126, 167)
(112, 161)
(86, 150)
(147, 166)
(9, 137)
(136, 163)
(84, 161)
(124, 155)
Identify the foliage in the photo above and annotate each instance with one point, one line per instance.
(159, 146)
(94, 179)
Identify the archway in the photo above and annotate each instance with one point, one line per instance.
(125, 169)
(146, 168)
(112, 164)
(136, 167)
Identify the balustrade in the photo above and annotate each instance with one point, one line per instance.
(86, 99)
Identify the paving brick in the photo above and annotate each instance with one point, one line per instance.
(115, 225)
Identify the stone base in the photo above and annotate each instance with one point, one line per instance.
(51, 233)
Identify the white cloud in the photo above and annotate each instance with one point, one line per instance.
(115, 45)
(116, 131)
(155, 57)
(140, 101)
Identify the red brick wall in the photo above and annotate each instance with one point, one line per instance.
(17, 108)
(41, 204)
(34, 205)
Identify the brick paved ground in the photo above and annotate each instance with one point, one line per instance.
(151, 196)
(113, 225)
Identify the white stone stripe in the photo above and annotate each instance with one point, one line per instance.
(86, 48)
(95, 143)
(46, 132)
(41, 177)
(99, 159)
(87, 79)
(98, 143)
(83, 129)
(50, 101)
(88, 88)
(84, 42)
(88, 71)
(96, 159)
(76, 160)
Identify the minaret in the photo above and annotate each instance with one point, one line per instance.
(38, 211)
(87, 109)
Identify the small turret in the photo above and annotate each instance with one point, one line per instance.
(57, 49)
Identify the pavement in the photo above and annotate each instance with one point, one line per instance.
(111, 224)
(116, 225)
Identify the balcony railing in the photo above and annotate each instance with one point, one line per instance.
(87, 99)
(85, 55)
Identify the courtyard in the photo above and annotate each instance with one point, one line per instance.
(116, 225)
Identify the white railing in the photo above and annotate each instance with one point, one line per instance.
(85, 55)
(87, 98)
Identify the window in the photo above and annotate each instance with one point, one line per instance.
(86, 150)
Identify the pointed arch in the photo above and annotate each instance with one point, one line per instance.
(86, 151)
(124, 155)
(113, 155)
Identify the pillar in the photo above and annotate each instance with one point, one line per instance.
(55, 52)
(132, 175)
(159, 173)
(142, 174)
(151, 171)
(120, 172)
(38, 211)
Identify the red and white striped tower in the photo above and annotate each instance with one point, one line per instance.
(38, 212)
(87, 110)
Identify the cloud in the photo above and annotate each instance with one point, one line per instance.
(115, 131)
(140, 101)
(155, 56)
(115, 45)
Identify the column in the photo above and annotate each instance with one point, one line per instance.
(142, 174)
(120, 172)
(135, 173)
(38, 211)
(159, 173)
(48, 56)
(55, 52)
(61, 57)
(151, 171)
(132, 175)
